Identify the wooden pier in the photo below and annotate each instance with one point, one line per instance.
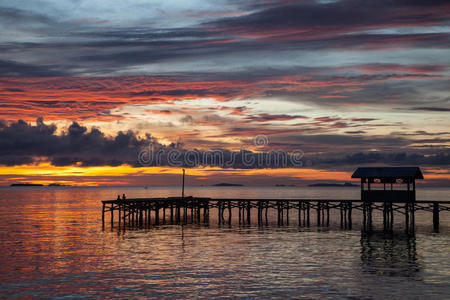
(143, 212)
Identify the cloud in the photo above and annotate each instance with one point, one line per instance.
(269, 117)
(312, 19)
(21, 143)
(441, 159)
(17, 69)
(35, 35)
(428, 108)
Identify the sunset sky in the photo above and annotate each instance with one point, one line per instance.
(86, 86)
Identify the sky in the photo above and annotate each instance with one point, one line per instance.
(253, 92)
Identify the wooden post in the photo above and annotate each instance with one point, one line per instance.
(318, 213)
(248, 211)
(406, 216)
(350, 206)
(328, 213)
(141, 216)
(259, 213)
(157, 213)
(219, 208)
(279, 213)
(345, 215)
(299, 213)
(112, 215)
(229, 211)
(267, 208)
(120, 214)
(308, 207)
(124, 208)
(239, 210)
(182, 189)
(164, 213)
(205, 206)
(364, 215)
(287, 213)
(436, 216)
(282, 212)
(103, 215)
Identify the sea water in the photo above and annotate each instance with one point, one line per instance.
(53, 245)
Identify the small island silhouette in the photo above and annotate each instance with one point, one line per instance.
(347, 184)
(37, 184)
(227, 184)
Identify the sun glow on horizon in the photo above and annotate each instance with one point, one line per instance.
(45, 173)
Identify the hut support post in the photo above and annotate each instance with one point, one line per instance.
(103, 215)
(436, 216)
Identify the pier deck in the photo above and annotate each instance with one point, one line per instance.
(141, 212)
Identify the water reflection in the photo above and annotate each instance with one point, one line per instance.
(391, 254)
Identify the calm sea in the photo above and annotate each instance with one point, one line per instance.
(53, 246)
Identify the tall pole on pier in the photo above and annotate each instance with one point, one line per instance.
(182, 189)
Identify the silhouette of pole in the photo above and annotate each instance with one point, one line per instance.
(182, 189)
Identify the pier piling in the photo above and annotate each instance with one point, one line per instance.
(138, 212)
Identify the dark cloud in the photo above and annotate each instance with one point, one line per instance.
(20, 142)
(17, 69)
(312, 18)
(176, 92)
(15, 17)
(355, 132)
(441, 159)
(85, 49)
(428, 108)
(270, 117)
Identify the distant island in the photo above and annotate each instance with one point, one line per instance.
(347, 184)
(227, 184)
(37, 184)
(26, 184)
(289, 185)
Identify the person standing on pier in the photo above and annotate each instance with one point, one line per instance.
(123, 197)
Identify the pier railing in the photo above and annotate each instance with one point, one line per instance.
(141, 212)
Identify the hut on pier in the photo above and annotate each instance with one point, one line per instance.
(388, 176)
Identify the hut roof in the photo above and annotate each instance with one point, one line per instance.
(388, 172)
